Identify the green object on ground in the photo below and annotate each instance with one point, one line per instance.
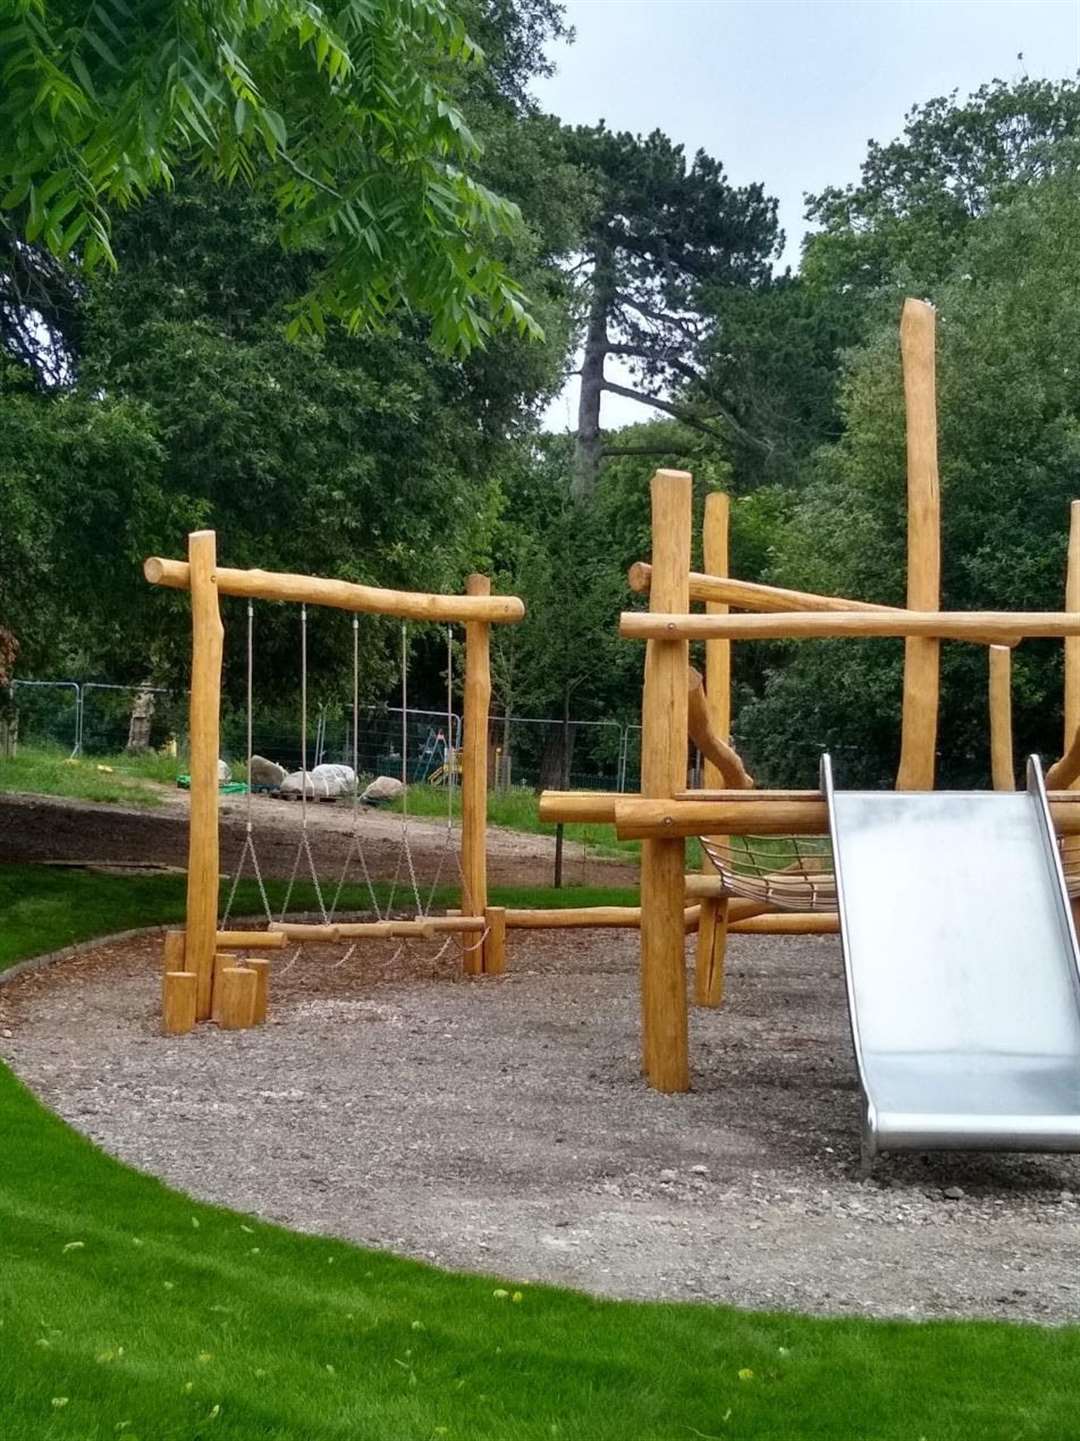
(227, 788)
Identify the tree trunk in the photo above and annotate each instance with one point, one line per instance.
(589, 443)
(142, 715)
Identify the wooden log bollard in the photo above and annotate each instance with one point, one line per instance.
(261, 966)
(235, 998)
(179, 992)
(495, 941)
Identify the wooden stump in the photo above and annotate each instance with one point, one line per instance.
(179, 993)
(261, 966)
(495, 941)
(235, 996)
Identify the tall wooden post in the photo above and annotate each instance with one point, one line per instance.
(712, 929)
(918, 742)
(207, 641)
(1002, 774)
(663, 772)
(1072, 644)
(474, 762)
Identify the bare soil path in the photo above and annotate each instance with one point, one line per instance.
(503, 1126)
(47, 828)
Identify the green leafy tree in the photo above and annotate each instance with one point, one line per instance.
(344, 118)
(908, 215)
(661, 230)
(1009, 423)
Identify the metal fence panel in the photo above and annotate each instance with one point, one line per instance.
(48, 713)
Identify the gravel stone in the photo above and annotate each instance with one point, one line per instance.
(502, 1126)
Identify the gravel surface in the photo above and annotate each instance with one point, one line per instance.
(503, 1126)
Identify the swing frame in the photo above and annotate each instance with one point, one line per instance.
(201, 977)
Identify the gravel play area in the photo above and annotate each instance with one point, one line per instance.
(503, 1126)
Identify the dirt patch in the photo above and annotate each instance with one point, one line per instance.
(503, 1126)
(45, 828)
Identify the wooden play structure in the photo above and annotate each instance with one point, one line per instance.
(744, 888)
(203, 977)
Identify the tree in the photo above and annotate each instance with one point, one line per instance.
(919, 194)
(661, 231)
(340, 118)
(1009, 424)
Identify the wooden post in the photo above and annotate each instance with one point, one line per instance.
(261, 966)
(663, 772)
(918, 733)
(207, 637)
(474, 762)
(495, 941)
(236, 1005)
(174, 951)
(713, 927)
(1072, 644)
(178, 993)
(1002, 773)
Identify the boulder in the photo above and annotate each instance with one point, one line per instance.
(381, 791)
(322, 783)
(224, 774)
(264, 774)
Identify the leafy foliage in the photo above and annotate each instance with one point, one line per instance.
(339, 116)
(1009, 421)
(661, 231)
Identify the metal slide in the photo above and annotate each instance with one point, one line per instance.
(963, 973)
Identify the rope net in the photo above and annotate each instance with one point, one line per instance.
(789, 873)
(304, 860)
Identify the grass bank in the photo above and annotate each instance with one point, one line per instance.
(128, 1311)
(44, 908)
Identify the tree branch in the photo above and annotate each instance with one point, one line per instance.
(687, 417)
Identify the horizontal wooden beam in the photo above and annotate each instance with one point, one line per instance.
(988, 626)
(755, 814)
(596, 806)
(377, 930)
(788, 923)
(249, 941)
(341, 594)
(588, 918)
(750, 595)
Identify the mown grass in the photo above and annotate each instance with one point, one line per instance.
(121, 779)
(517, 809)
(128, 1311)
(44, 908)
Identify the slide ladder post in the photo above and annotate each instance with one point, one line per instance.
(663, 772)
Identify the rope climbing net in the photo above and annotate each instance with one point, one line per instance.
(404, 879)
(790, 873)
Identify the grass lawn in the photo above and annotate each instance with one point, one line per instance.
(43, 908)
(114, 780)
(128, 1311)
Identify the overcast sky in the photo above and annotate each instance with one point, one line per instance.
(788, 92)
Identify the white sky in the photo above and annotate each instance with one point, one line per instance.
(788, 92)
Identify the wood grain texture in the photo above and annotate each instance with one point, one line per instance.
(722, 767)
(1002, 771)
(179, 993)
(663, 771)
(343, 594)
(922, 661)
(474, 764)
(234, 1008)
(495, 941)
(1003, 627)
(207, 641)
